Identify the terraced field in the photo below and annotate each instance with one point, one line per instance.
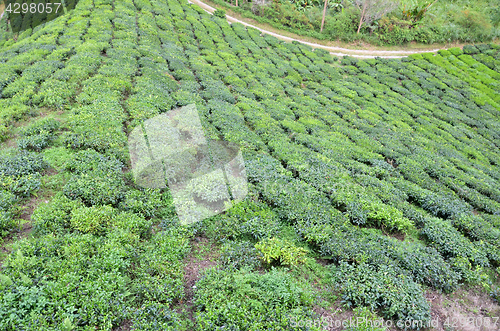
(372, 182)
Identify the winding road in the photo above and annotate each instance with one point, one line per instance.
(337, 51)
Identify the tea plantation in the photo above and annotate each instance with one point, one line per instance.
(372, 183)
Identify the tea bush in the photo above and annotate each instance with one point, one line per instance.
(154, 316)
(340, 156)
(97, 179)
(19, 178)
(88, 280)
(54, 216)
(239, 255)
(243, 299)
(382, 288)
(92, 220)
(93, 189)
(147, 202)
(38, 135)
(281, 251)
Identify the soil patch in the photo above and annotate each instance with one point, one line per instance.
(464, 310)
(127, 325)
(203, 255)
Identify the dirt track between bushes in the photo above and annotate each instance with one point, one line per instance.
(337, 51)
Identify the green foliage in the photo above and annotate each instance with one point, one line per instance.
(154, 316)
(97, 179)
(476, 23)
(13, 163)
(450, 243)
(54, 216)
(281, 251)
(38, 135)
(469, 274)
(57, 157)
(416, 21)
(343, 25)
(19, 178)
(417, 13)
(132, 223)
(247, 219)
(367, 320)
(92, 220)
(88, 280)
(243, 299)
(90, 161)
(95, 190)
(240, 254)
(220, 13)
(146, 202)
(338, 158)
(364, 212)
(55, 93)
(383, 288)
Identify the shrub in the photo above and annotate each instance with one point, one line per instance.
(93, 189)
(154, 316)
(48, 125)
(20, 172)
(477, 24)
(220, 13)
(35, 142)
(97, 179)
(239, 255)
(158, 275)
(94, 220)
(15, 163)
(146, 202)
(342, 25)
(90, 161)
(7, 222)
(281, 251)
(450, 243)
(133, 223)
(245, 220)
(7, 199)
(455, 51)
(469, 274)
(394, 293)
(235, 299)
(378, 213)
(54, 217)
(366, 320)
(395, 31)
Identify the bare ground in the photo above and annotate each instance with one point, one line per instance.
(203, 255)
(126, 326)
(464, 310)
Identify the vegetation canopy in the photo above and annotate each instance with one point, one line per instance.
(373, 185)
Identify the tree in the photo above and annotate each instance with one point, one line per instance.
(324, 13)
(372, 10)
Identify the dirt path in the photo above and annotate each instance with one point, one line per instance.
(2, 8)
(337, 51)
(203, 255)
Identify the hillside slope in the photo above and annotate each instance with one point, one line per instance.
(388, 169)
